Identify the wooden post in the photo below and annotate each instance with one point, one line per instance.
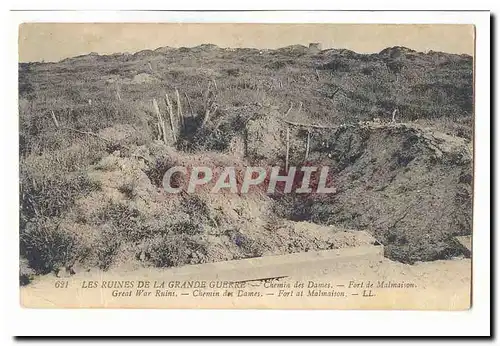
(55, 119)
(394, 112)
(118, 92)
(189, 104)
(157, 112)
(207, 116)
(289, 110)
(287, 148)
(158, 128)
(308, 143)
(171, 115)
(179, 108)
(161, 122)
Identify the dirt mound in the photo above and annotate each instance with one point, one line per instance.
(129, 221)
(409, 186)
(264, 140)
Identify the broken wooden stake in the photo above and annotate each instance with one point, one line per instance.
(287, 148)
(394, 112)
(161, 122)
(289, 110)
(55, 119)
(307, 145)
(207, 117)
(171, 116)
(158, 128)
(179, 108)
(189, 104)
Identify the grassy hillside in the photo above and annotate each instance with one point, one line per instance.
(90, 189)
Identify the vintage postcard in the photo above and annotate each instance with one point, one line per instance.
(270, 166)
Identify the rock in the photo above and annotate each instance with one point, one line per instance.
(62, 272)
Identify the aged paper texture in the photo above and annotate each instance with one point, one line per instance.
(270, 166)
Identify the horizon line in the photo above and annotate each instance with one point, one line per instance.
(236, 48)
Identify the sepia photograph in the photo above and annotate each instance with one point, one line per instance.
(246, 165)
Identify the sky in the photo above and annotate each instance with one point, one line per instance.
(57, 41)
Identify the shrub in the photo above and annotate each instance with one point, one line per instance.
(157, 169)
(52, 195)
(123, 217)
(107, 246)
(48, 247)
(337, 65)
(176, 250)
(25, 272)
(421, 249)
(129, 189)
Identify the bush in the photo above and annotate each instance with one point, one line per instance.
(124, 218)
(52, 195)
(158, 168)
(176, 250)
(26, 273)
(420, 249)
(107, 246)
(48, 247)
(337, 65)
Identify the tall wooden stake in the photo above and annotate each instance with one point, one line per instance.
(55, 119)
(158, 128)
(289, 110)
(161, 122)
(287, 148)
(118, 92)
(179, 108)
(171, 116)
(189, 104)
(307, 145)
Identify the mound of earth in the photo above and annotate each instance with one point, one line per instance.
(129, 221)
(408, 185)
